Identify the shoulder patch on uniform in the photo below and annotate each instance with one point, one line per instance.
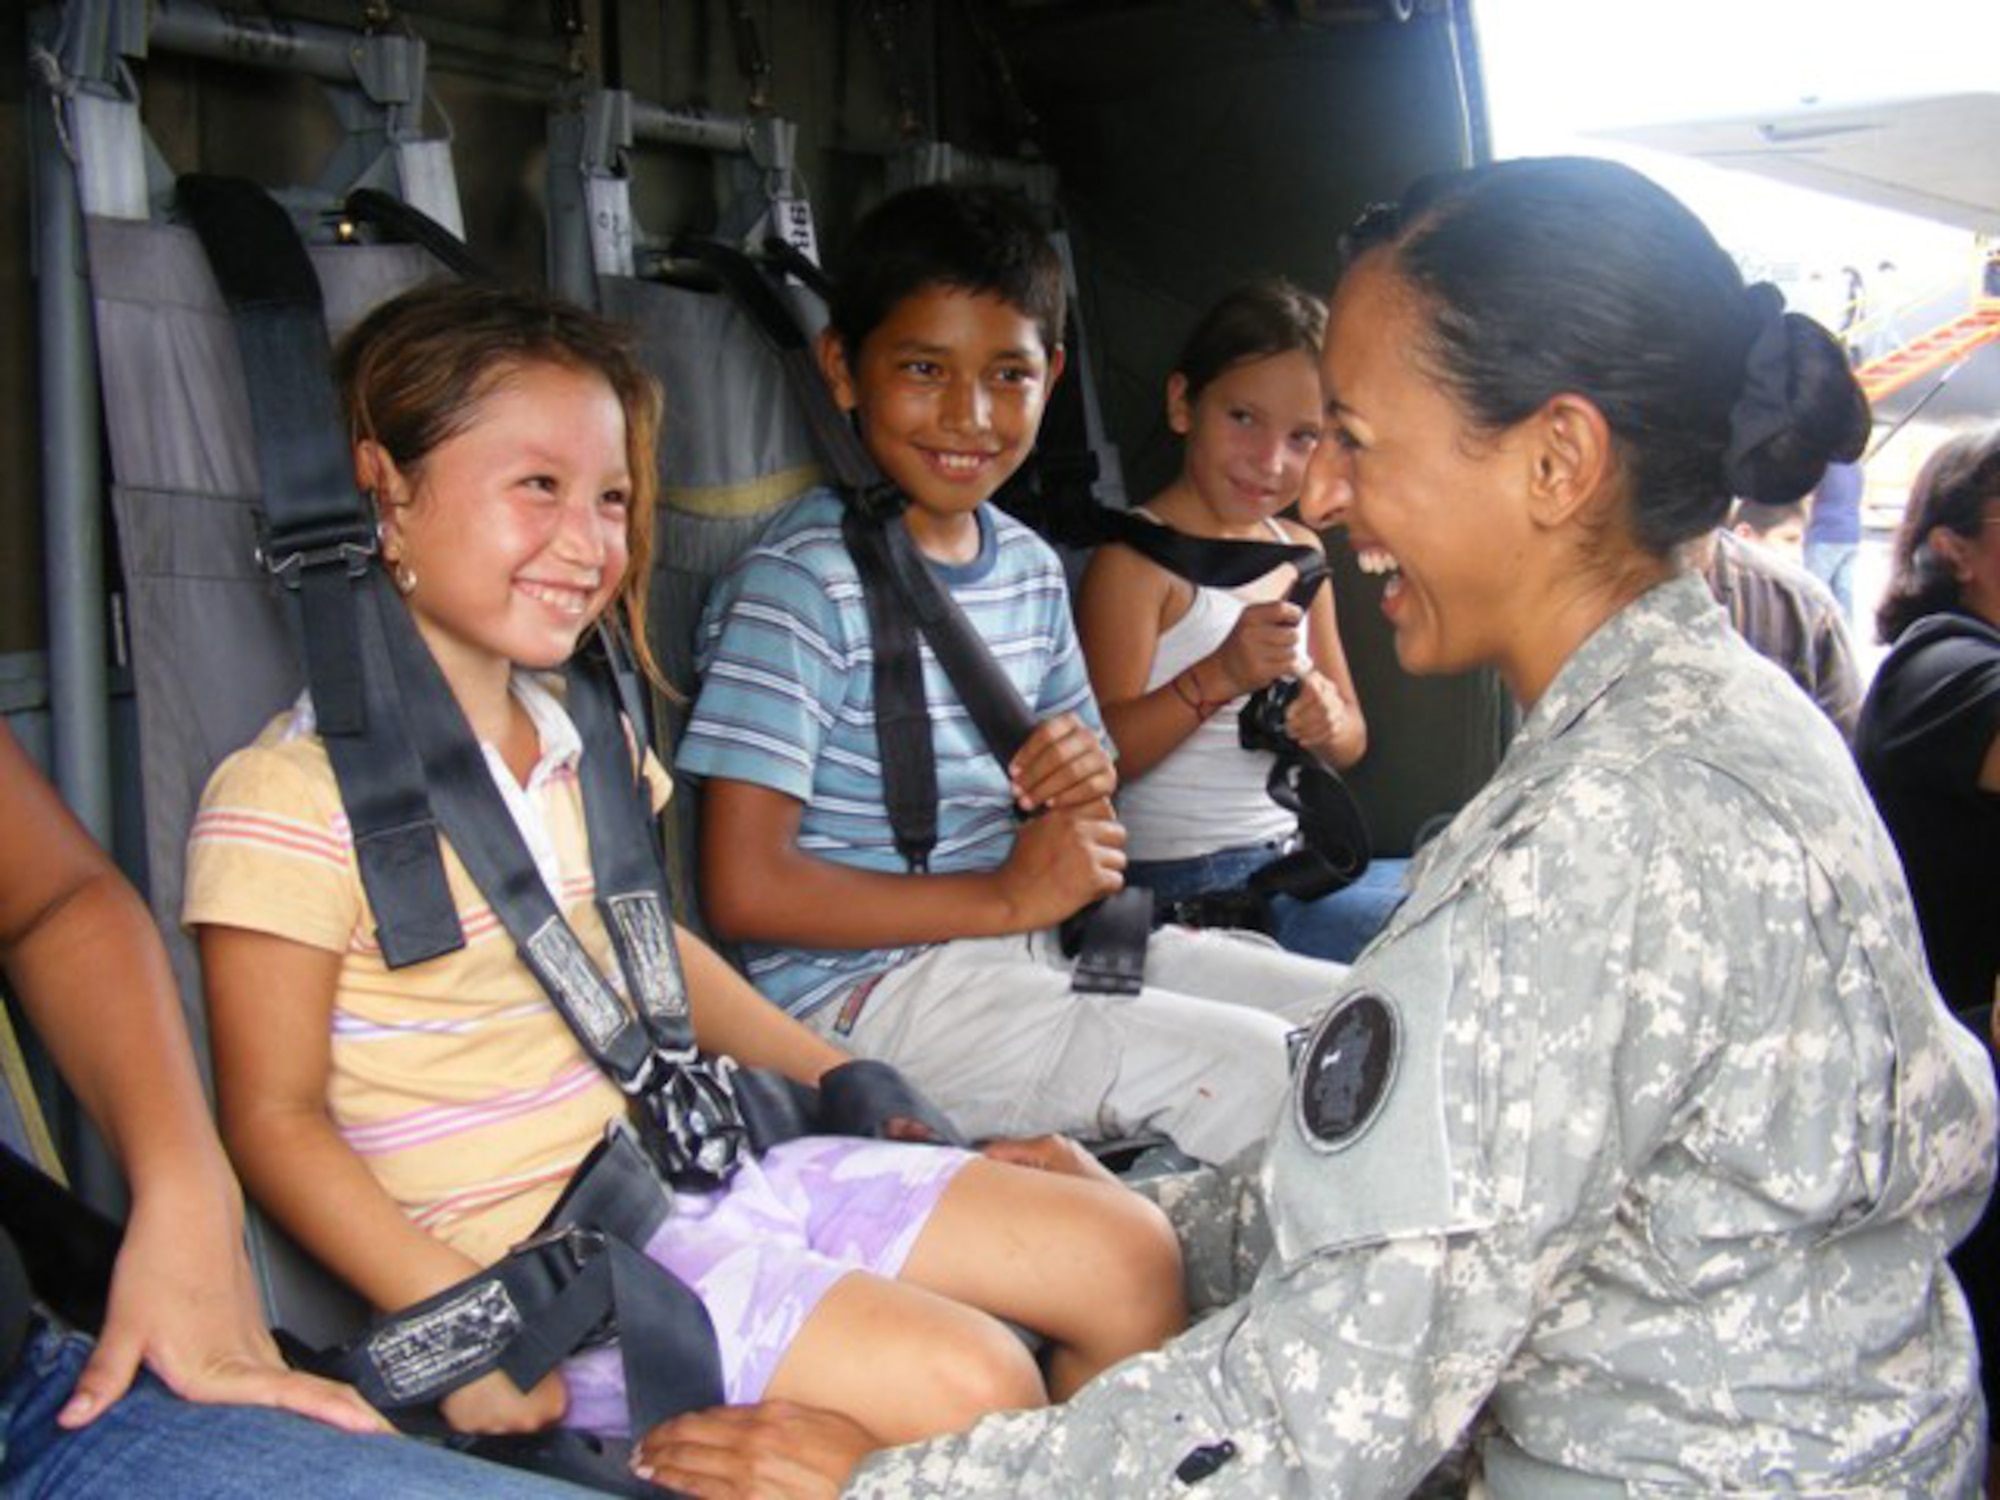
(1347, 1071)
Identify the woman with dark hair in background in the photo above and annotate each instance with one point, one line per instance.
(1641, 1129)
(1929, 746)
(1929, 736)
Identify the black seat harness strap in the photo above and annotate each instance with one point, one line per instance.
(904, 601)
(1333, 834)
(318, 540)
(410, 224)
(685, 1104)
(1211, 562)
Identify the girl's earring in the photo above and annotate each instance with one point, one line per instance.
(400, 573)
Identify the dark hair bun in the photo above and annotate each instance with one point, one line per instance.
(1800, 408)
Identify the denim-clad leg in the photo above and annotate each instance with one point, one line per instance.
(1335, 927)
(1339, 926)
(1832, 563)
(154, 1443)
(1180, 879)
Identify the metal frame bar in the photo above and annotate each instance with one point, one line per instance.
(592, 230)
(71, 64)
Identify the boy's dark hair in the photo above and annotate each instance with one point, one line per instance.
(974, 238)
(1763, 517)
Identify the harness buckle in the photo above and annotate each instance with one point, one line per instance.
(581, 1245)
(690, 1121)
(351, 547)
(578, 1245)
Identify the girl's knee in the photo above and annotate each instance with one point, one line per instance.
(984, 1368)
(1143, 1258)
(905, 1363)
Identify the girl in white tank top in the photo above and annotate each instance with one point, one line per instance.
(1172, 663)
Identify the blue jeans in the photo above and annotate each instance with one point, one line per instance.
(1832, 563)
(1335, 927)
(154, 1443)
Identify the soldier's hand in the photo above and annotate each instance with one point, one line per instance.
(775, 1450)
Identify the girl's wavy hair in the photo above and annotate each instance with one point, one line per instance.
(1258, 320)
(1952, 491)
(415, 372)
(1569, 275)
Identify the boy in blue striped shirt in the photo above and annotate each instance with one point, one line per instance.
(944, 342)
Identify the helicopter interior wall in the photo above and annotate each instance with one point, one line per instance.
(1196, 150)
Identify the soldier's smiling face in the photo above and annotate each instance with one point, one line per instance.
(1433, 506)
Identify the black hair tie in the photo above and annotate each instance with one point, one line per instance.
(1764, 409)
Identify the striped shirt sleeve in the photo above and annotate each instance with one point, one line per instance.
(775, 663)
(270, 851)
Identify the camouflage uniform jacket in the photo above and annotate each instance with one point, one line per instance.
(1640, 1130)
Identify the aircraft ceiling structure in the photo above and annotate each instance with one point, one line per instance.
(1931, 156)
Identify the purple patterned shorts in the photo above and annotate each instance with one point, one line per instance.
(762, 1252)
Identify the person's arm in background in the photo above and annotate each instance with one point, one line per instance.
(81, 952)
(1119, 610)
(1836, 686)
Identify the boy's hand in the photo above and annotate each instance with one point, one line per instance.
(1263, 644)
(493, 1403)
(1061, 862)
(1317, 717)
(775, 1450)
(1063, 764)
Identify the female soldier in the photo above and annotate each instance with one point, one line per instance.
(1640, 1127)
